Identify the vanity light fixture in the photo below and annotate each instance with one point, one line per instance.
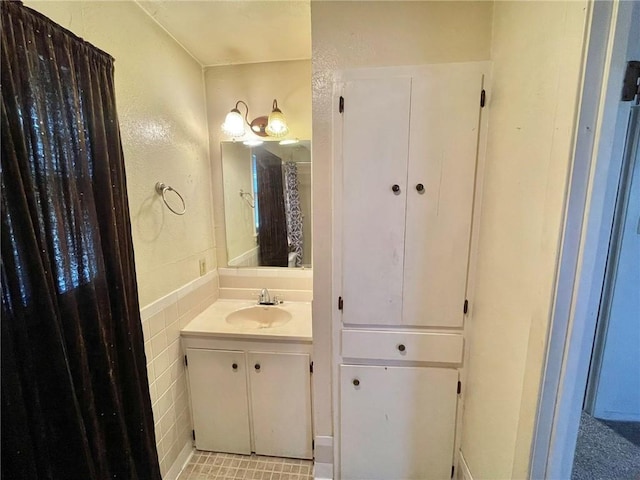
(274, 125)
(253, 142)
(288, 141)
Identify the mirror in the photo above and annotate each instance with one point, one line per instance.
(267, 204)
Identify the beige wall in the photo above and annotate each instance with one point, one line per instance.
(161, 109)
(368, 34)
(257, 84)
(537, 57)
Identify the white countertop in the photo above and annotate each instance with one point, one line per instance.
(212, 323)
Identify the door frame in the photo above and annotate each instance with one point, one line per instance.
(589, 209)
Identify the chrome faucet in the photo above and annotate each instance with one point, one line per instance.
(265, 297)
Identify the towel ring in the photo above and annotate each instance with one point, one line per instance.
(247, 197)
(162, 189)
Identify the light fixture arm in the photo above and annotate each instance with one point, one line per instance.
(246, 113)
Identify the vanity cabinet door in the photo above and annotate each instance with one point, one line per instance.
(219, 400)
(397, 422)
(281, 404)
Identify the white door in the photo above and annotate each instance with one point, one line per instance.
(281, 404)
(397, 422)
(219, 400)
(374, 155)
(613, 391)
(445, 118)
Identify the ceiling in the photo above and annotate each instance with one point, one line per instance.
(230, 32)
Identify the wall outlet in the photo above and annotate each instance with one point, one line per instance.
(203, 266)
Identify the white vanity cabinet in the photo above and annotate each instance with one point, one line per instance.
(249, 397)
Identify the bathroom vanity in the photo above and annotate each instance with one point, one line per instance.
(249, 370)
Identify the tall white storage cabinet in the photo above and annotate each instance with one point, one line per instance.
(406, 167)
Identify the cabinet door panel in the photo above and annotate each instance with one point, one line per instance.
(398, 422)
(219, 400)
(281, 404)
(374, 154)
(445, 115)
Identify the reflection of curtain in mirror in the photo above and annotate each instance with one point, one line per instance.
(293, 210)
(272, 230)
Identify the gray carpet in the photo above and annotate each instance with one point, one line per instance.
(629, 430)
(603, 454)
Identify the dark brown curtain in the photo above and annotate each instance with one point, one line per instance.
(75, 399)
(272, 231)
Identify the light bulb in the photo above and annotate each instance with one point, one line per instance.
(234, 124)
(277, 125)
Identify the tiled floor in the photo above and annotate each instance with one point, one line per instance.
(227, 466)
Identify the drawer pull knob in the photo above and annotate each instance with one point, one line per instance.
(401, 347)
(234, 366)
(356, 382)
(396, 189)
(257, 366)
(420, 188)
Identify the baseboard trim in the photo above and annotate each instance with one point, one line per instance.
(183, 458)
(322, 471)
(463, 469)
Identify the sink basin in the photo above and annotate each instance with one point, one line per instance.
(259, 316)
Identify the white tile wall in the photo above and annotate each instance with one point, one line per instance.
(161, 324)
(290, 284)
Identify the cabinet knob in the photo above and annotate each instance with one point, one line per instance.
(420, 188)
(257, 366)
(356, 382)
(401, 347)
(396, 189)
(234, 366)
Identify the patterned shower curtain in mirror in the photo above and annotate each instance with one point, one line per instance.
(294, 212)
(75, 398)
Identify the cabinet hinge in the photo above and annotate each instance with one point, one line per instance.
(311, 367)
(341, 105)
(465, 307)
(459, 387)
(340, 303)
(193, 435)
(453, 469)
(483, 97)
(313, 444)
(186, 361)
(630, 87)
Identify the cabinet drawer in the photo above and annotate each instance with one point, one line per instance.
(403, 346)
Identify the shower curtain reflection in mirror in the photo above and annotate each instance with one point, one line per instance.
(267, 202)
